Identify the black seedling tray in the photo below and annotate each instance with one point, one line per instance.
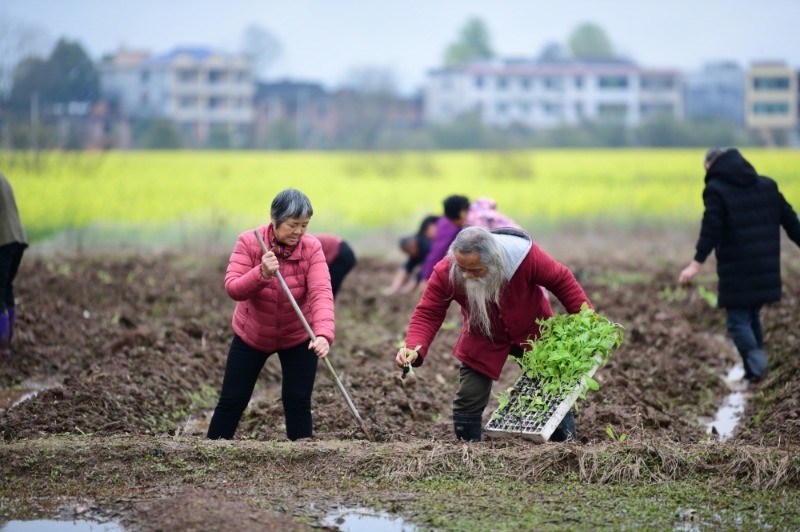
(517, 420)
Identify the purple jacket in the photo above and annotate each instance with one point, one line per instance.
(446, 232)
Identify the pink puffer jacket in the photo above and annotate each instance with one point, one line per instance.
(264, 317)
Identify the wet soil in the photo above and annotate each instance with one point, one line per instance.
(134, 348)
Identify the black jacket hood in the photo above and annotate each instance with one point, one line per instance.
(732, 168)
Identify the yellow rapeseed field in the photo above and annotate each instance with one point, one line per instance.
(359, 192)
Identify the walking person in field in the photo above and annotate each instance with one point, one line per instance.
(264, 321)
(339, 257)
(13, 242)
(741, 224)
(497, 279)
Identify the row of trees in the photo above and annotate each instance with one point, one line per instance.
(587, 41)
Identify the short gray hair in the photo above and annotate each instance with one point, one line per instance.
(290, 203)
(478, 240)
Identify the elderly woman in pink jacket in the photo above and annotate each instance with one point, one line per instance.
(264, 321)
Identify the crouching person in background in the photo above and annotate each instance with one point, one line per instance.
(497, 279)
(339, 256)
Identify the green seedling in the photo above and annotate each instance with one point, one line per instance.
(407, 369)
(569, 346)
(709, 296)
(613, 435)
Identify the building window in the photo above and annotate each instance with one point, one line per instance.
(552, 83)
(525, 83)
(501, 108)
(479, 82)
(552, 109)
(502, 84)
(771, 108)
(188, 102)
(655, 83)
(524, 107)
(612, 82)
(651, 109)
(215, 76)
(612, 111)
(187, 76)
(145, 76)
(771, 83)
(578, 82)
(215, 102)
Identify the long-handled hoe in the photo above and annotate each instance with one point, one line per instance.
(313, 337)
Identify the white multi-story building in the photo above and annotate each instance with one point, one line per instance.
(197, 88)
(544, 95)
(771, 97)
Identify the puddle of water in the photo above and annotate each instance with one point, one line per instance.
(11, 397)
(730, 412)
(728, 415)
(365, 520)
(44, 525)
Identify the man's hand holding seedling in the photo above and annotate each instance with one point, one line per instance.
(405, 357)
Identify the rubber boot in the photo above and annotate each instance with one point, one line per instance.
(298, 427)
(467, 426)
(565, 431)
(755, 365)
(5, 346)
(12, 318)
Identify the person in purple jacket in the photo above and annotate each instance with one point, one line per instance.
(456, 209)
(458, 214)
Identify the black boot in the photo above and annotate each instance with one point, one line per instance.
(755, 365)
(566, 430)
(298, 427)
(467, 426)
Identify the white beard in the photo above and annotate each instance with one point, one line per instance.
(481, 292)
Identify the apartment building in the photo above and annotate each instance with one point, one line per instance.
(545, 95)
(715, 93)
(771, 96)
(197, 88)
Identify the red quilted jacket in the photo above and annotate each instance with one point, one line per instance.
(522, 301)
(264, 317)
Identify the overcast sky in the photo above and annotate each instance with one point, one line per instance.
(324, 40)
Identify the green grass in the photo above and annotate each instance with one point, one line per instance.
(564, 504)
(443, 486)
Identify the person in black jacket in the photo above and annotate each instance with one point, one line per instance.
(741, 223)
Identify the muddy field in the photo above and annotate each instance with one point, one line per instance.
(126, 356)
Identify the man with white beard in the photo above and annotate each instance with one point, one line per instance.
(497, 278)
